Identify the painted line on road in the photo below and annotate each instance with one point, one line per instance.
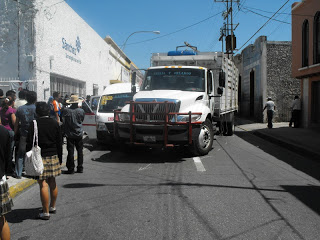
(199, 165)
(144, 168)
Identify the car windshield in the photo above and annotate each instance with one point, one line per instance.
(110, 102)
(184, 79)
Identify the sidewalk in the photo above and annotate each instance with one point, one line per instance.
(303, 141)
(18, 185)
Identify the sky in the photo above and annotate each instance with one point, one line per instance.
(197, 22)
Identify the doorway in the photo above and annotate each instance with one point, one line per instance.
(252, 80)
(315, 103)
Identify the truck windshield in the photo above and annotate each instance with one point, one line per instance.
(110, 102)
(184, 79)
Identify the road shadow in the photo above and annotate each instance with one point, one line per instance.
(82, 185)
(19, 215)
(303, 163)
(309, 195)
(141, 155)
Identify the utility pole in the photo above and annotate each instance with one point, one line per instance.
(227, 30)
(18, 17)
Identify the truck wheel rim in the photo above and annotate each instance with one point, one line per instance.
(204, 137)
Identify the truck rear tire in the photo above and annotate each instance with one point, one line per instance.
(203, 144)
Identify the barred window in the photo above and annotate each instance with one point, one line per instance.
(305, 43)
(316, 38)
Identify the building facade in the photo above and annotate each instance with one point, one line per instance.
(49, 45)
(306, 57)
(264, 69)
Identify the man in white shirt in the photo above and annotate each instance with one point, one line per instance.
(295, 110)
(270, 106)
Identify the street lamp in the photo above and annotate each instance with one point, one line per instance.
(124, 45)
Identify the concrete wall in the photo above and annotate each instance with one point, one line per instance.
(252, 59)
(56, 41)
(9, 32)
(309, 75)
(281, 87)
(270, 63)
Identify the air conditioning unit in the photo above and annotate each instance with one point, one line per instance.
(30, 58)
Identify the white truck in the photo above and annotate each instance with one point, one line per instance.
(185, 98)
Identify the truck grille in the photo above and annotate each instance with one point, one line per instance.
(155, 111)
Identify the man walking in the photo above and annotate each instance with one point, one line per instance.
(270, 106)
(24, 116)
(72, 120)
(296, 109)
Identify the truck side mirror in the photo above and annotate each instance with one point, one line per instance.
(220, 90)
(133, 83)
(222, 79)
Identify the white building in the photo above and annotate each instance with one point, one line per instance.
(48, 45)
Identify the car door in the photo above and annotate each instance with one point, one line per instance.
(89, 122)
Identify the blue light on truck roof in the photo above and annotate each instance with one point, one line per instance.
(182, 53)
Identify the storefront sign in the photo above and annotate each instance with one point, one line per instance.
(72, 49)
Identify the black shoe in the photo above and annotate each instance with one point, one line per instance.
(80, 171)
(16, 176)
(68, 172)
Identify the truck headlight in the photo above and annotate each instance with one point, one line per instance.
(185, 118)
(101, 126)
(124, 117)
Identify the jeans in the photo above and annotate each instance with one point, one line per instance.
(295, 118)
(20, 155)
(71, 143)
(270, 116)
(9, 167)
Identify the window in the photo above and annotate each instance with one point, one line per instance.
(316, 38)
(305, 43)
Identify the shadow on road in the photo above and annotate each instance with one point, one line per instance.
(308, 166)
(309, 195)
(141, 156)
(83, 185)
(19, 215)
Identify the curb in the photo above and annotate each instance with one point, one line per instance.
(21, 186)
(290, 146)
(26, 183)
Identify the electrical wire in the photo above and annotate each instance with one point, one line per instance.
(262, 26)
(168, 34)
(303, 15)
(265, 16)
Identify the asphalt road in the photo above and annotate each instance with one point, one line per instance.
(246, 188)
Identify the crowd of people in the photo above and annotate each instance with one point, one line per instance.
(55, 119)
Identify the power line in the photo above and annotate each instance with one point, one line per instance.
(263, 25)
(151, 39)
(302, 15)
(266, 16)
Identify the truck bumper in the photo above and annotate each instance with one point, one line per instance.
(155, 134)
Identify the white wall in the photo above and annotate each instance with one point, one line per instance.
(43, 26)
(59, 26)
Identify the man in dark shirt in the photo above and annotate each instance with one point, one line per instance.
(24, 116)
(72, 120)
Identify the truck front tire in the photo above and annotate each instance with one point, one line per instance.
(203, 144)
